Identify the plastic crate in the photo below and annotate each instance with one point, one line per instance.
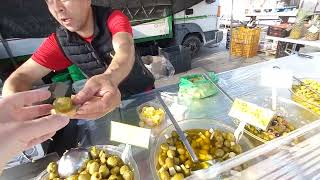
(179, 56)
(245, 42)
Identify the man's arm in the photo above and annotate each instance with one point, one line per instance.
(123, 59)
(23, 78)
(100, 94)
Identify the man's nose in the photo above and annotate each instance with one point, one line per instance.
(58, 6)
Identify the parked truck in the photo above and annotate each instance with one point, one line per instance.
(189, 23)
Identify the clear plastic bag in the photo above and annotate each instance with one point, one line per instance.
(159, 66)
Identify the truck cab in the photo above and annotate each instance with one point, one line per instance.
(192, 27)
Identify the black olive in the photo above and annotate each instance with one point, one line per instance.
(274, 123)
(277, 134)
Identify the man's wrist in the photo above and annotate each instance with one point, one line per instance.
(109, 76)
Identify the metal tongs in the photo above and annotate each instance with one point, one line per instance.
(307, 86)
(178, 129)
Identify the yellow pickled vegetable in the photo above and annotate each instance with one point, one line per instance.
(152, 116)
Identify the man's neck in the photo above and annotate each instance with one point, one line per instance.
(88, 29)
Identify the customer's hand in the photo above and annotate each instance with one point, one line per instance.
(20, 125)
(98, 97)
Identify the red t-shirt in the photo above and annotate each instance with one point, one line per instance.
(50, 55)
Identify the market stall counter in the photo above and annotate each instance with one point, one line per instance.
(243, 82)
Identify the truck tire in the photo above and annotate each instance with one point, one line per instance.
(194, 43)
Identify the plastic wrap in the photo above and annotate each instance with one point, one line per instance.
(196, 86)
(159, 66)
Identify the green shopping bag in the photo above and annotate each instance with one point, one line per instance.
(197, 87)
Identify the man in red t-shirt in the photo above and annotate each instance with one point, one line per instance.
(79, 42)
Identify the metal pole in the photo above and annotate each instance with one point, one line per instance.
(9, 52)
(231, 27)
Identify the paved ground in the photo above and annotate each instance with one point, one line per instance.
(216, 59)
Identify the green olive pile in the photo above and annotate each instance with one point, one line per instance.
(102, 166)
(278, 127)
(174, 162)
(306, 97)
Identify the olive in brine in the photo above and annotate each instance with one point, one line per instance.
(84, 177)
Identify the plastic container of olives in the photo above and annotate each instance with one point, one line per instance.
(295, 114)
(149, 123)
(309, 99)
(188, 124)
(114, 150)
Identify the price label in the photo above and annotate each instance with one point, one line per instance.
(128, 134)
(276, 78)
(251, 113)
(313, 29)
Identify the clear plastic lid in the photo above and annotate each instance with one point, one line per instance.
(295, 156)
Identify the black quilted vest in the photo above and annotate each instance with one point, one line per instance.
(93, 58)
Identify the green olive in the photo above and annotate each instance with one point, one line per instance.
(219, 138)
(123, 169)
(94, 167)
(52, 167)
(178, 176)
(227, 143)
(164, 175)
(128, 175)
(170, 141)
(103, 158)
(73, 177)
(174, 134)
(102, 152)
(112, 161)
(63, 104)
(176, 161)
(230, 137)
(84, 177)
(219, 153)
(115, 170)
(96, 176)
(236, 148)
(85, 172)
(291, 127)
(226, 149)
(119, 161)
(89, 164)
(94, 152)
(53, 175)
(113, 177)
(104, 171)
(219, 144)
